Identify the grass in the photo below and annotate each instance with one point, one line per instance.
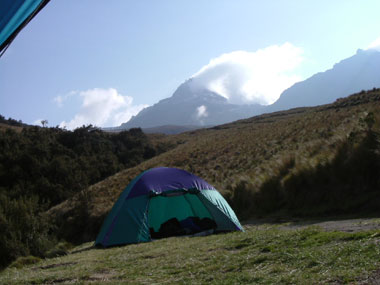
(4, 127)
(263, 254)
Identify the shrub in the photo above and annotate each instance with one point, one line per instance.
(241, 198)
(24, 230)
(25, 260)
(60, 249)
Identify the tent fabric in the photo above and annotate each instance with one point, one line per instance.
(162, 209)
(109, 222)
(131, 226)
(167, 179)
(160, 195)
(14, 15)
(223, 214)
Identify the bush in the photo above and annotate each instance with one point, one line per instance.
(242, 198)
(25, 260)
(60, 249)
(24, 230)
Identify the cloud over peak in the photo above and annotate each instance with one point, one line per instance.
(200, 114)
(202, 111)
(251, 77)
(375, 45)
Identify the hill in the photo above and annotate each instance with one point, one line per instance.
(261, 160)
(170, 129)
(166, 129)
(11, 124)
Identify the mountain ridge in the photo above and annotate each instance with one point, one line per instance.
(191, 106)
(195, 106)
(351, 75)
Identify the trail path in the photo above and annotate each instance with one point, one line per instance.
(344, 225)
(350, 225)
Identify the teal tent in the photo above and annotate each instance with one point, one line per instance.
(14, 16)
(163, 202)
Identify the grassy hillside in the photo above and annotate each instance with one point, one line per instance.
(268, 254)
(271, 148)
(4, 127)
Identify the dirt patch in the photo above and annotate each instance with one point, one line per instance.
(350, 225)
(100, 277)
(62, 280)
(56, 265)
(372, 279)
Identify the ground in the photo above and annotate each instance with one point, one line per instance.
(334, 251)
(350, 225)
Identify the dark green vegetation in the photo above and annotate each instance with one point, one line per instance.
(263, 254)
(41, 167)
(10, 122)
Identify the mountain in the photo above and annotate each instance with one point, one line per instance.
(197, 107)
(191, 106)
(351, 75)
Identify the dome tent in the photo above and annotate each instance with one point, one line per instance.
(160, 196)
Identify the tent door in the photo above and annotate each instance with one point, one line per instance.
(178, 215)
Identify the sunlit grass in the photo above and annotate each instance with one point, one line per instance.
(262, 254)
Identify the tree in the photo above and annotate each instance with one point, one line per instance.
(44, 123)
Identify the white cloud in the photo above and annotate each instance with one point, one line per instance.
(103, 107)
(202, 111)
(251, 77)
(38, 122)
(375, 44)
(200, 114)
(62, 98)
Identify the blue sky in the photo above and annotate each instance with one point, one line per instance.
(99, 62)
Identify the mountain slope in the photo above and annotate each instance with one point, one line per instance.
(351, 75)
(253, 150)
(190, 106)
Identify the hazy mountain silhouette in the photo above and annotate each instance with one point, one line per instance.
(351, 75)
(191, 106)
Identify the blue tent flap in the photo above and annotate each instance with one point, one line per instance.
(14, 15)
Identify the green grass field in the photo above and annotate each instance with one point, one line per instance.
(269, 254)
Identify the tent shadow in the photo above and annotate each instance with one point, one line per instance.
(83, 249)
